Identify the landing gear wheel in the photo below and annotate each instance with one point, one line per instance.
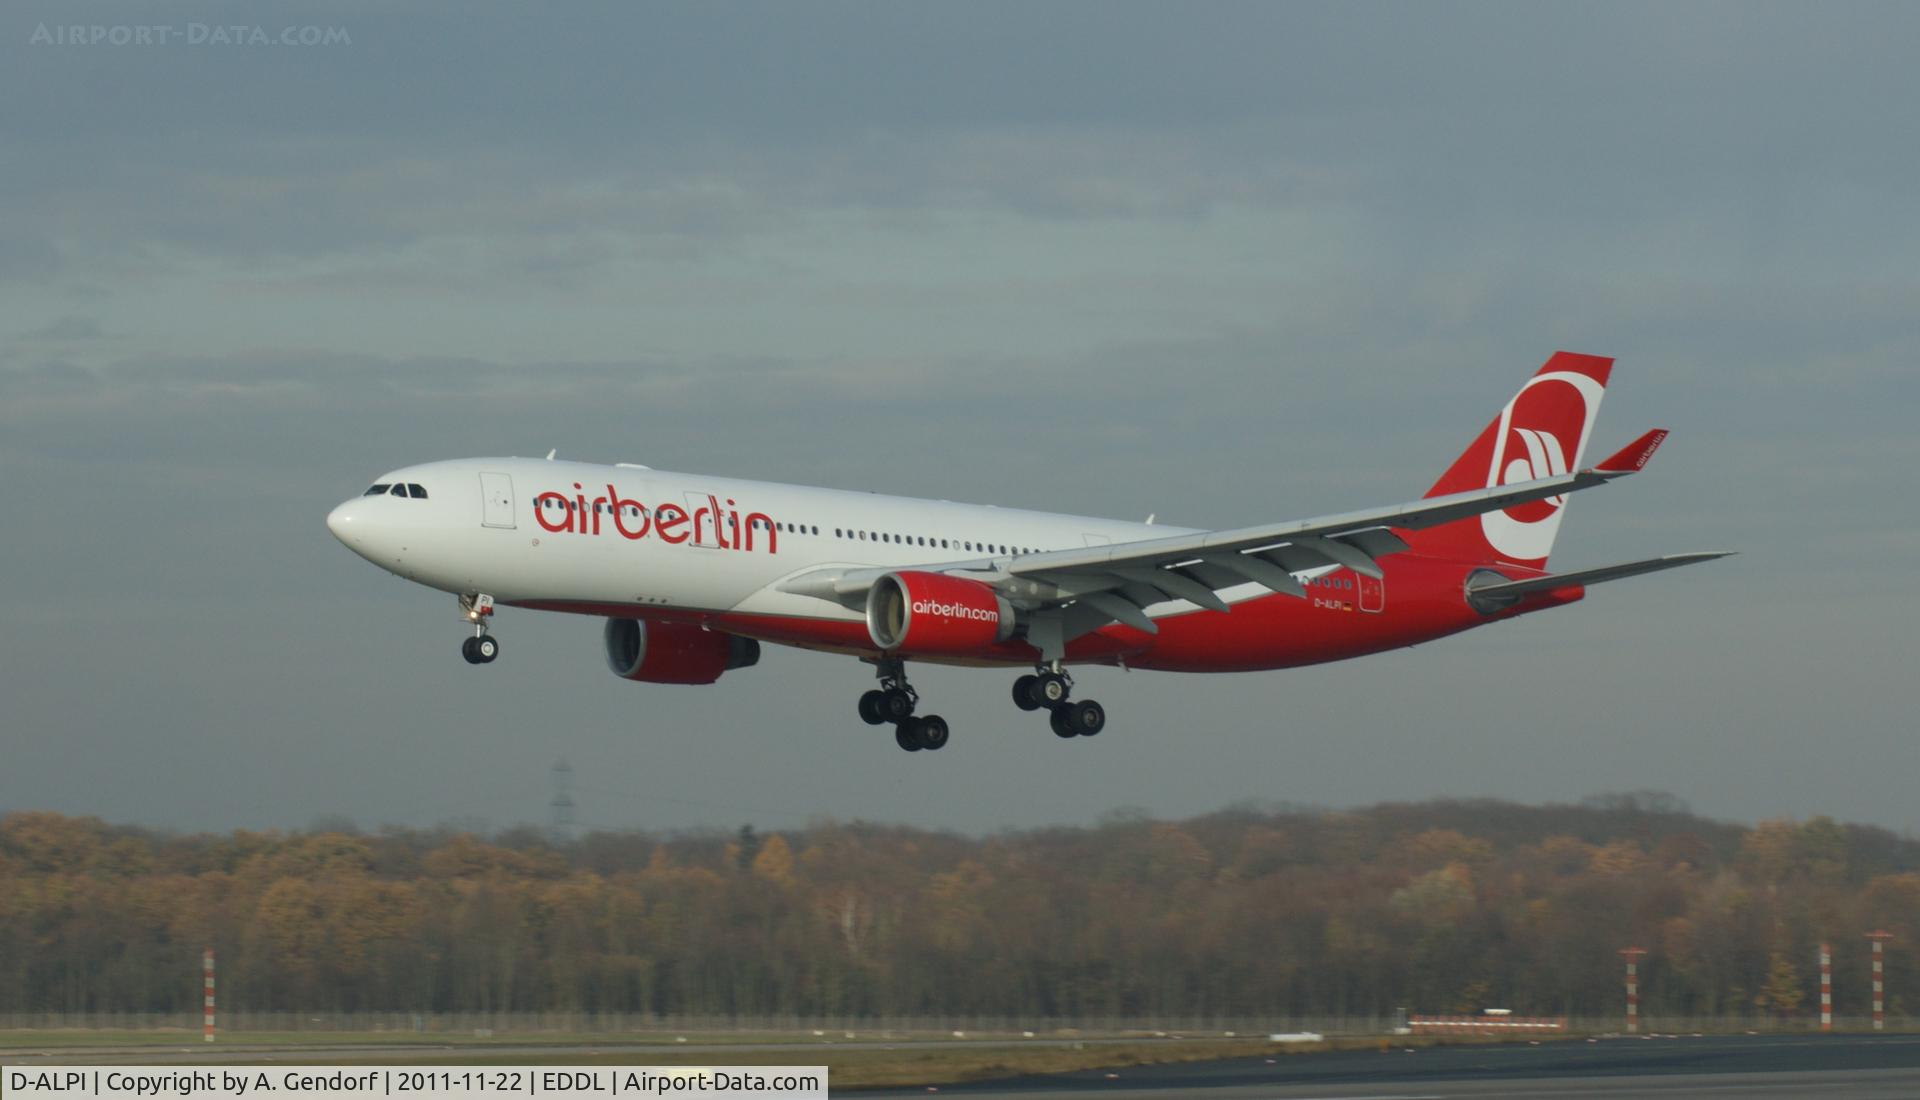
(1086, 717)
(894, 701)
(1050, 689)
(896, 704)
(932, 732)
(1061, 723)
(476, 608)
(1023, 693)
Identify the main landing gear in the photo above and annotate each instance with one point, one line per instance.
(894, 701)
(483, 647)
(1050, 687)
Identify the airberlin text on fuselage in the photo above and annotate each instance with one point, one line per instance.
(709, 524)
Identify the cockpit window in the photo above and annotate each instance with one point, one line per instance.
(417, 492)
(398, 489)
(376, 490)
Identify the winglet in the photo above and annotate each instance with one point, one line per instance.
(1633, 457)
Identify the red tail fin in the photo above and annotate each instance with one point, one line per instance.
(1542, 432)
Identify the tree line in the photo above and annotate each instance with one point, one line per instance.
(1445, 906)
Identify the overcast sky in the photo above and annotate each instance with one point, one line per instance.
(1224, 263)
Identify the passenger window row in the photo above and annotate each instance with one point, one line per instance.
(933, 543)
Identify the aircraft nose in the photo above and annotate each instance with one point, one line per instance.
(341, 521)
(368, 529)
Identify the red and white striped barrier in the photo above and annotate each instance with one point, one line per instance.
(206, 1020)
(1879, 980)
(1826, 988)
(1486, 1024)
(1632, 955)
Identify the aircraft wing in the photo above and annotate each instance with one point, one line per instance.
(1116, 583)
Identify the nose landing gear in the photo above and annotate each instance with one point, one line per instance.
(894, 701)
(1049, 688)
(482, 648)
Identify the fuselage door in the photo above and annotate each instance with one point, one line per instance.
(1373, 593)
(496, 497)
(702, 509)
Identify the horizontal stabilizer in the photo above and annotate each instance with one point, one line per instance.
(1593, 576)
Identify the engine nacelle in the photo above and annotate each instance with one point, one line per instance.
(674, 653)
(915, 613)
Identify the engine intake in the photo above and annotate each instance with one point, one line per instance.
(932, 614)
(674, 653)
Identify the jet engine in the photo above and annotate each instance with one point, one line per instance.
(931, 614)
(674, 653)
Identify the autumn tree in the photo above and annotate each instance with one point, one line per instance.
(1250, 912)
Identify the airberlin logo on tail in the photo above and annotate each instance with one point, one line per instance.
(1543, 457)
(706, 525)
(1541, 434)
(956, 611)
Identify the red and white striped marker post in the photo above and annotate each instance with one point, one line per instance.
(1826, 987)
(1879, 979)
(1632, 955)
(206, 1019)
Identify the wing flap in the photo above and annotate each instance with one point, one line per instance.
(1341, 552)
(1175, 585)
(1120, 610)
(1261, 571)
(1376, 542)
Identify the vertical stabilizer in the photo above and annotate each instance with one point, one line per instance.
(1542, 432)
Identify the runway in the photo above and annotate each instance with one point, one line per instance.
(1855, 1067)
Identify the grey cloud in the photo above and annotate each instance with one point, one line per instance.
(66, 329)
(1441, 122)
(27, 256)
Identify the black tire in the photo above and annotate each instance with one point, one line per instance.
(1051, 689)
(467, 650)
(1023, 693)
(1086, 717)
(933, 732)
(906, 736)
(896, 705)
(870, 708)
(486, 648)
(1062, 724)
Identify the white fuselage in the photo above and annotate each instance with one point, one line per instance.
(608, 538)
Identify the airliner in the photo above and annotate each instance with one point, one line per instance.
(693, 573)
